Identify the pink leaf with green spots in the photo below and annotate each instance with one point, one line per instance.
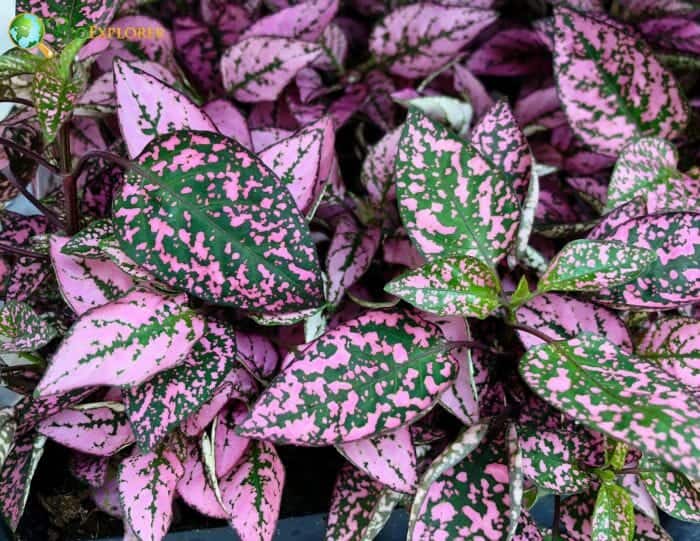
(194, 487)
(148, 108)
(452, 201)
(304, 21)
(97, 429)
(672, 491)
(462, 286)
(643, 9)
(252, 493)
(86, 283)
(89, 469)
(68, 19)
(300, 161)
(85, 243)
(229, 447)
(499, 139)
(378, 168)
(334, 43)
(418, 39)
(389, 459)
(257, 353)
(511, 53)
(592, 265)
(349, 256)
(647, 167)
(30, 411)
(638, 403)
(159, 405)
(612, 87)
(16, 476)
(674, 343)
(195, 42)
(229, 121)
(561, 317)
(258, 68)
(21, 329)
(147, 484)
(240, 241)
(674, 33)
(394, 363)
(123, 343)
(672, 279)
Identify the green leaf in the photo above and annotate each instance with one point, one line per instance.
(626, 397)
(53, 98)
(239, 241)
(18, 62)
(671, 490)
(592, 265)
(68, 54)
(454, 286)
(86, 242)
(521, 294)
(613, 516)
(21, 329)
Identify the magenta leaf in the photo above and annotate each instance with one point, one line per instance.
(378, 168)
(21, 329)
(499, 139)
(96, 429)
(561, 317)
(349, 256)
(159, 405)
(463, 209)
(510, 53)
(304, 21)
(66, 20)
(334, 45)
(454, 286)
(16, 476)
(229, 447)
(612, 87)
(418, 39)
(240, 241)
(389, 459)
(195, 489)
(147, 485)
(257, 353)
(86, 283)
(674, 343)
(258, 68)
(90, 469)
(229, 121)
(252, 493)
(670, 281)
(639, 402)
(592, 265)
(148, 108)
(312, 402)
(139, 334)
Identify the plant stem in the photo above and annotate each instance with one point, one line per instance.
(556, 519)
(30, 153)
(532, 331)
(110, 157)
(16, 250)
(18, 101)
(51, 216)
(472, 344)
(70, 190)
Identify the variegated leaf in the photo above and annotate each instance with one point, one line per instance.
(671, 280)
(97, 429)
(304, 21)
(257, 353)
(452, 202)
(592, 265)
(229, 121)
(8, 427)
(674, 344)
(68, 19)
(146, 489)
(252, 493)
(672, 491)
(229, 447)
(240, 241)
(613, 515)
(393, 363)
(449, 111)
(148, 108)
(54, 98)
(85, 243)
(389, 459)
(123, 343)
(16, 476)
(159, 405)
(258, 68)
(454, 286)
(194, 488)
(498, 138)
(377, 174)
(21, 329)
(612, 87)
(90, 469)
(418, 39)
(637, 402)
(86, 283)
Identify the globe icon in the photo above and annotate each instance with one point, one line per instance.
(27, 30)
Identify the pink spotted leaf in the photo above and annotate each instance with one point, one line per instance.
(405, 358)
(452, 286)
(194, 488)
(243, 243)
(139, 335)
(252, 493)
(97, 429)
(418, 39)
(148, 108)
(89, 469)
(465, 210)
(258, 68)
(389, 459)
(613, 514)
(16, 476)
(147, 484)
(591, 265)
(672, 491)
(21, 329)
(674, 343)
(612, 87)
(639, 402)
(304, 21)
(229, 121)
